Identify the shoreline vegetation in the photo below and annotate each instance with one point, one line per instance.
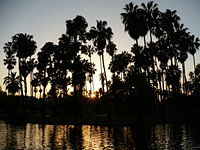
(148, 83)
(110, 112)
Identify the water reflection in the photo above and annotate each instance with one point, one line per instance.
(70, 137)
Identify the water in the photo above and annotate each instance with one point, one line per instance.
(70, 137)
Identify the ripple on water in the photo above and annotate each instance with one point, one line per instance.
(71, 137)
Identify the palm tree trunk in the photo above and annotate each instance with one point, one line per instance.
(75, 91)
(183, 69)
(65, 85)
(25, 87)
(175, 60)
(44, 89)
(101, 74)
(160, 90)
(184, 79)
(21, 86)
(31, 78)
(105, 72)
(44, 86)
(136, 41)
(40, 92)
(34, 92)
(31, 87)
(91, 77)
(163, 86)
(172, 64)
(194, 62)
(150, 33)
(145, 42)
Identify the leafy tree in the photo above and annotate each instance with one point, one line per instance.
(10, 59)
(35, 84)
(12, 83)
(101, 36)
(76, 31)
(79, 70)
(24, 46)
(120, 62)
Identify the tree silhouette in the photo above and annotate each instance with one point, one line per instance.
(10, 59)
(150, 67)
(197, 80)
(76, 30)
(35, 84)
(101, 36)
(194, 44)
(119, 63)
(130, 21)
(12, 83)
(89, 50)
(25, 47)
(79, 70)
(45, 62)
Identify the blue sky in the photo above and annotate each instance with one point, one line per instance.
(45, 20)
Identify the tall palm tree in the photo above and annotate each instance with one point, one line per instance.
(76, 31)
(130, 21)
(80, 68)
(10, 59)
(35, 84)
(194, 46)
(26, 67)
(90, 51)
(76, 28)
(42, 69)
(101, 36)
(24, 46)
(45, 64)
(173, 76)
(135, 20)
(12, 83)
(182, 58)
(152, 14)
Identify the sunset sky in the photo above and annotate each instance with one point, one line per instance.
(45, 20)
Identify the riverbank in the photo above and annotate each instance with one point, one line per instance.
(99, 119)
(98, 112)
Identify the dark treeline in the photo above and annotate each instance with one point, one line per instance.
(149, 77)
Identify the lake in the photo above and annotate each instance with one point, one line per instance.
(139, 137)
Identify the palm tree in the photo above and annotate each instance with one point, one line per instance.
(173, 76)
(152, 14)
(197, 80)
(80, 68)
(182, 58)
(35, 84)
(101, 36)
(24, 46)
(76, 28)
(12, 83)
(136, 23)
(130, 21)
(119, 63)
(42, 69)
(45, 64)
(76, 31)
(90, 50)
(194, 46)
(26, 67)
(111, 49)
(10, 59)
